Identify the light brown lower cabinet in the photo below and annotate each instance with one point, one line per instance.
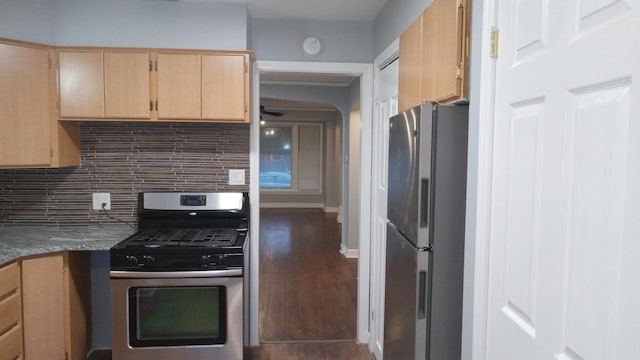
(56, 306)
(10, 313)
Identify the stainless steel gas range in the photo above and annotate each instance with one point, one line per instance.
(177, 284)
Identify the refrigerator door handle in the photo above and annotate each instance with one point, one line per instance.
(422, 295)
(424, 203)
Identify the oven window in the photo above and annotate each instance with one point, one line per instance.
(174, 316)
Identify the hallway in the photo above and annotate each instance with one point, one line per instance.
(307, 288)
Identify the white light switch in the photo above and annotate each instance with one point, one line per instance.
(236, 176)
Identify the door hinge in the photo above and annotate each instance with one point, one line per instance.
(50, 63)
(156, 65)
(460, 4)
(246, 107)
(51, 152)
(373, 315)
(459, 72)
(495, 37)
(150, 105)
(58, 104)
(66, 355)
(156, 105)
(246, 68)
(150, 65)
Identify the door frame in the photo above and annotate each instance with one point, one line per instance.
(479, 181)
(365, 72)
(387, 56)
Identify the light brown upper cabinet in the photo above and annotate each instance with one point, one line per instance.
(179, 86)
(225, 87)
(31, 135)
(24, 106)
(409, 66)
(444, 51)
(98, 85)
(131, 84)
(210, 87)
(441, 66)
(81, 84)
(126, 85)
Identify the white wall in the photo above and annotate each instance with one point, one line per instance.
(394, 19)
(126, 23)
(27, 20)
(144, 23)
(281, 39)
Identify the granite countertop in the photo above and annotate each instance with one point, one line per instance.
(19, 241)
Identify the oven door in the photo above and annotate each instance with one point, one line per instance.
(177, 315)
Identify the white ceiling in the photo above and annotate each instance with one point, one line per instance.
(338, 10)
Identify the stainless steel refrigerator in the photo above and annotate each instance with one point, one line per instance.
(425, 233)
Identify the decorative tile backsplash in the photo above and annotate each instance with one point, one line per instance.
(124, 159)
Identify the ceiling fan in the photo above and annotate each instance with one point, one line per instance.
(270, 112)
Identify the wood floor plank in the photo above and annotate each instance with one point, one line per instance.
(308, 290)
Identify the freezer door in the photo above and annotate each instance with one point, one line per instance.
(409, 173)
(406, 296)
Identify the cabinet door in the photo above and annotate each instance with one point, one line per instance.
(77, 289)
(10, 313)
(443, 38)
(179, 86)
(43, 307)
(126, 85)
(409, 66)
(81, 84)
(224, 87)
(24, 106)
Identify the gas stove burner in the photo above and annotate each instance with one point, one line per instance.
(154, 238)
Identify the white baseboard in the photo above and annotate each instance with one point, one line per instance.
(349, 253)
(292, 205)
(330, 209)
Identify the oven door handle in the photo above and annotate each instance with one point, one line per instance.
(175, 274)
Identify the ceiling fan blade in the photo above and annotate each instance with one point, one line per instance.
(270, 112)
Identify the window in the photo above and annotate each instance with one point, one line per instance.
(291, 157)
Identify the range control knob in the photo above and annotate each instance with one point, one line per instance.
(131, 260)
(206, 260)
(222, 259)
(148, 260)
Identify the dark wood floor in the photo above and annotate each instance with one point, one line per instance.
(307, 288)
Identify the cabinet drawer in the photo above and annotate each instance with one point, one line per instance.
(9, 312)
(9, 279)
(11, 344)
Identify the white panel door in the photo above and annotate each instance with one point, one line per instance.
(386, 106)
(565, 220)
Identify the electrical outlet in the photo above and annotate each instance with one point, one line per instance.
(101, 198)
(236, 176)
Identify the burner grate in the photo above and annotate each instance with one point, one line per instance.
(184, 237)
